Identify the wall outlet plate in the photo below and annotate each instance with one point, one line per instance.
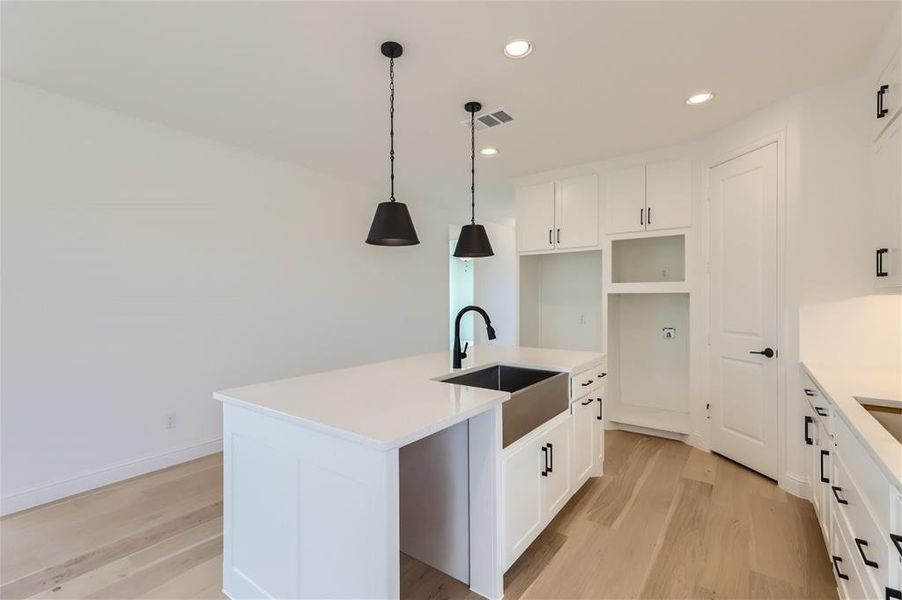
(669, 333)
(170, 420)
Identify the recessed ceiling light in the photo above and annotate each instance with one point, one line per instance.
(699, 98)
(488, 151)
(518, 49)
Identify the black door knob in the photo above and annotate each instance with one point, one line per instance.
(767, 352)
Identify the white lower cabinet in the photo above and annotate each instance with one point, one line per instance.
(536, 483)
(584, 423)
(854, 502)
(542, 471)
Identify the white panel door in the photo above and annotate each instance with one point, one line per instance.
(668, 194)
(535, 217)
(522, 483)
(743, 257)
(576, 212)
(625, 198)
(557, 485)
(584, 411)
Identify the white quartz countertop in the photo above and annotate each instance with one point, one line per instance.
(847, 387)
(393, 403)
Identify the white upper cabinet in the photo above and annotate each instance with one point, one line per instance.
(535, 217)
(886, 181)
(887, 95)
(668, 194)
(649, 197)
(576, 212)
(559, 214)
(626, 200)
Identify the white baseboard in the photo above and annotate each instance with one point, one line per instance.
(795, 485)
(49, 492)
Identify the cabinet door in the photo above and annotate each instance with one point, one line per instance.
(625, 200)
(584, 422)
(576, 212)
(886, 214)
(535, 217)
(598, 424)
(522, 485)
(668, 194)
(887, 96)
(556, 489)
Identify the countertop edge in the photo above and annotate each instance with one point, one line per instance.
(851, 411)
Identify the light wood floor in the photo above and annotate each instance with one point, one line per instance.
(666, 521)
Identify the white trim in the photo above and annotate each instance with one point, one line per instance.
(795, 484)
(56, 490)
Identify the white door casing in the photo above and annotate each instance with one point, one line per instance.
(743, 309)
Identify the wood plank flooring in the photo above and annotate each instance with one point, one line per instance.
(666, 521)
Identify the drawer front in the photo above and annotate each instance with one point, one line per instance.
(872, 486)
(584, 382)
(820, 404)
(869, 544)
(849, 582)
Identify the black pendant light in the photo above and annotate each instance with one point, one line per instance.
(473, 241)
(392, 225)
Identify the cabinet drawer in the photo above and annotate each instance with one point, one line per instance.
(849, 582)
(869, 544)
(872, 486)
(820, 404)
(584, 382)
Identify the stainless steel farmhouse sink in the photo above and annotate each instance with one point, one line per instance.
(536, 396)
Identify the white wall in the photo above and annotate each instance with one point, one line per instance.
(144, 268)
(495, 287)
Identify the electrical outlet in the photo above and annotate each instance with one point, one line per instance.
(669, 333)
(170, 420)
(582, 319)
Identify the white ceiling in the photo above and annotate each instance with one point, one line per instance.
(305, 81)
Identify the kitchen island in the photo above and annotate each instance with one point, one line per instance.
(314, 486)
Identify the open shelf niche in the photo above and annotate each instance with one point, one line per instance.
(562, 301)
(648, 371)
(649, 265)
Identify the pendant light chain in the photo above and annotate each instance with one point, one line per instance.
(391, 118)
(473, 168)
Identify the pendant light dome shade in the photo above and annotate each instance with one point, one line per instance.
(392, 225)
(473, 241)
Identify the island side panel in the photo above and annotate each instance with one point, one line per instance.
(486, 567)
(306, 515)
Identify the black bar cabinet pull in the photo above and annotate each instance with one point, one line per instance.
(550, 458)
(587, 402)
(549, 238)
(840, 574)
(649, 215)
(821, 411)
(892, 594)
(810, 393)
(587, 383)
(897, 541)
(823, 454)
(808, 421)
(641, 216)
(558, 236)
(836, 491)
(861, 546)
(544, 461)
(881, 112)
(599, 417)
(880, 253)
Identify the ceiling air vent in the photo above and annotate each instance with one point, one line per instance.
(490, 119)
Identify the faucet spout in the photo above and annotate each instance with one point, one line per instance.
(457, 354)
